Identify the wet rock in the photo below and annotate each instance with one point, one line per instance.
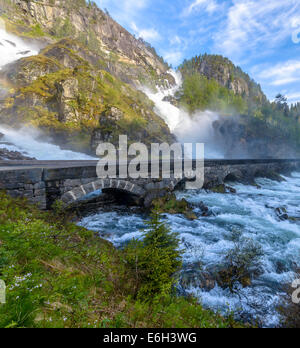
(219, 189)
(197, 279)
(204, 209)
(6, 155)
(169, 204)
(281, 213)
(231, 189)
(23, 53)
(11, 43)
(228, 276)
(275, 177)
(171, 100)
(222, 188)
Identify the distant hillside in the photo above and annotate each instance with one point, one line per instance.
(225, 73)
(249, 125)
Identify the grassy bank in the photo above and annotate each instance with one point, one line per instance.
(61, 275)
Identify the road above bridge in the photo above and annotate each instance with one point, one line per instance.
(44, 182)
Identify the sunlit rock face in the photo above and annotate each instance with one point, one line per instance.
(131, 59)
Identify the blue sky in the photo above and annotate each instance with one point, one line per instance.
(261, 36)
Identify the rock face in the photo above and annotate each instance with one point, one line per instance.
(130, 59)
(82, 87)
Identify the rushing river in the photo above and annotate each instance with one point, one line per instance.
(251, 212)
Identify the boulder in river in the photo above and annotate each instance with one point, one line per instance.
(282, 214)
(197, 279)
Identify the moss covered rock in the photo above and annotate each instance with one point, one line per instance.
(171, 205)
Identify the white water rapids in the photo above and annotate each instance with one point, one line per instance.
(251, 213)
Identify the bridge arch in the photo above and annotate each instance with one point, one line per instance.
(81, 191)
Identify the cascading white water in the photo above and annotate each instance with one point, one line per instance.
(187, 128)
(13, 48)
(26, 140)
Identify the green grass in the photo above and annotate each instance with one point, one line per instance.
(61, 275)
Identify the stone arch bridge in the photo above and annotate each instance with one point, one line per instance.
(44, 182)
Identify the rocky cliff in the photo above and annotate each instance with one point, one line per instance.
(82, 88)
(120, 52)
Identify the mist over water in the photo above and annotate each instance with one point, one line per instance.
(196, 128)
(25, 141)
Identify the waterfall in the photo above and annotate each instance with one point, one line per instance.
(195, 128)
(13, 48)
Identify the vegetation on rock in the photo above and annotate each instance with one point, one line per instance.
(74, 101)
(169, 204)
(242, 263)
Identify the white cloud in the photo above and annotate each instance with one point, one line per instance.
(147, 34)
(174, 58)
(293, 96)
(208, 5)
(282, 73)
(176, 40)
(256, 27)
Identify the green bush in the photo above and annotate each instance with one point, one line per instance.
(241, 264)
(199, 93)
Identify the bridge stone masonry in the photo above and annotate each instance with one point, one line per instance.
(44, 182)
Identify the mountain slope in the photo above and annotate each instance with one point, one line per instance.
(120, 52)
(82, 88)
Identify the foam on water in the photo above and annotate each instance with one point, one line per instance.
(252, 212)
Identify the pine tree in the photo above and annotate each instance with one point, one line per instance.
(156, 260)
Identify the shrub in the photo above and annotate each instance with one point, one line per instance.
(241, 264)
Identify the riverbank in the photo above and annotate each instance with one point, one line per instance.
(62, 275)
